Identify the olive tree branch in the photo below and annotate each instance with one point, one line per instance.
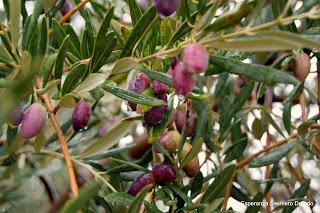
(248, 159)
(70, 13)
(72, 177)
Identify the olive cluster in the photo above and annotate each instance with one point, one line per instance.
(194, 61)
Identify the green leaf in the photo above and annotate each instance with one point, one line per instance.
(158, 146)
(58, 69)
(108, 208)
(255, 44)
(218, 186)
(124, 65)
(181, 194)
(296, 40)
(120, 197)
(135, 11)
(110, 153)
(196, 148)
(34, 43)
(132, 165)
(85, 195)
(278, 7)
(202, 120)
(44, 38)
(137, 202)
(138, 32)
(265, 113)
(73, 78)
(39, 141)
(32, 23)
(160, 76)
(252, 71)
(231, 18)
(237, 104)
(183, 29)
(258, 128)
(302, 129)
(197, 184)
(59, 36)
(100, 57)
(109, 140)
(272, 156)
(48, 66)
(103, 49)
(286, 116)
(25, 62)
(73, 37)
(151, 208)
(273, 175)
(132, 97)
(307, 5)
(15, 9)
(16, 144)
(67, 101)
(92, 81)
(298, 193)
(235, 151)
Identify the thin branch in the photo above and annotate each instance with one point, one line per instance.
(72, 177)
(268, 102)
(228, 192)
(70, 13)
(248, 159)
(302, 101)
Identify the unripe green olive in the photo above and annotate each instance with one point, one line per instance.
(193, 166)
(170, 141)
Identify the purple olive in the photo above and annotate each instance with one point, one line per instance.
(164, 172)
(158, 87)
(106, 125)
(17, 116)
(144, 4)
(156, 114)
(33, 121)
(180, 120)
(140, 83)
(196, 58)
(81, 115)
(183, 80)
(170, 140)
(167, 7)
(142, 181)
(66, 8)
